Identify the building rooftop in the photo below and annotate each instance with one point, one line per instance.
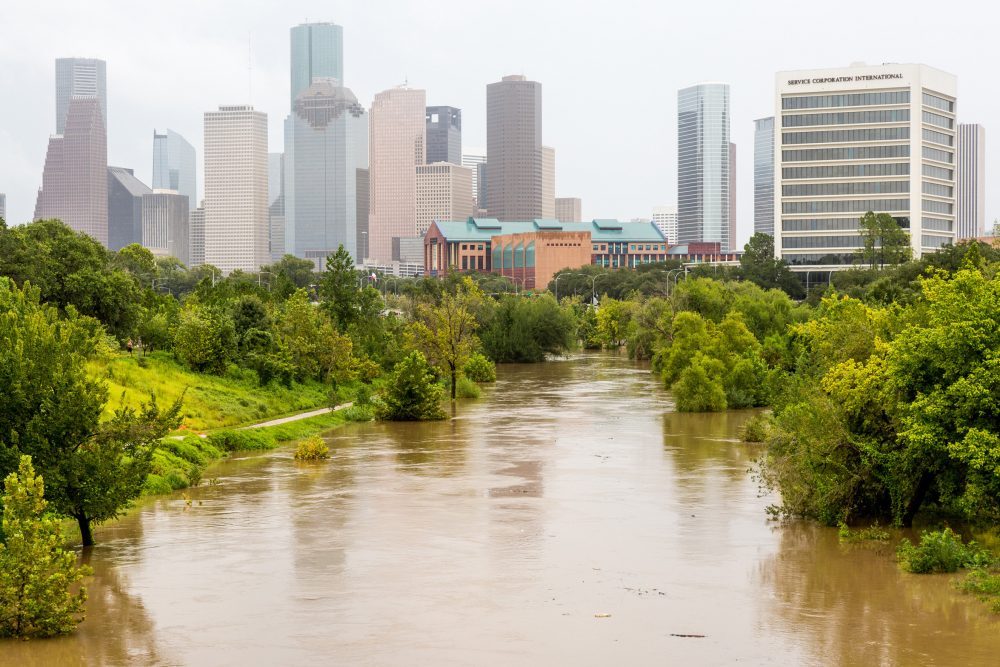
(481, 229)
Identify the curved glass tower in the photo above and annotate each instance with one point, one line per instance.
(703, 164)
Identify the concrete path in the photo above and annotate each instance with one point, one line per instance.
(297, 417)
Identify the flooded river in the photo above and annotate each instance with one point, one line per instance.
(569, 517)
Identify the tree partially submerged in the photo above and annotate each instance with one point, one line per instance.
(412, 392)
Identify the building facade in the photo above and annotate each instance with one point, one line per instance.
(472, 160)
(443, 193)
(196, 237)
(548, 164)
(3, 206)
(363, 200)
(514, 171)
(80, 77)
(397, 142)
(665, 219)
(317, 52)
(733, 241)
(763, 176)
(175, 165)
(276, 204)
(166, 223)
(703, 164)
(858, 139)
(971, 181)
(569, 209)
(444, 135)
(236, 215)
(125, 193)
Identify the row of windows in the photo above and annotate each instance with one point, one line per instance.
(841, 136)
(934, 241)
(819, 258)
(828, 189)
(937, 189)
(939, 103)
(472, 246)
(931, 206)
(938, 172)
(854, 153)
(848, 170)
(847, 118)
(848, 100)
(938, 224)
(829, 224)
(939, 155)
(822, 242)
(939, 120)
(938, 137)
(846, 206)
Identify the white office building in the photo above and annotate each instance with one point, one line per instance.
(862, 138)
(971, 181)
(665, 219)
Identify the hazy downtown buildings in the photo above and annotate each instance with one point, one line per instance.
(317, 52)
(763, 176)
(733, 242)
(569, 209)
(75, 179)
(80, 77)
(166, 223)
(444, 135)
(971, 181)
(548, 166)
(443, 193)
(196, 237)
(514, 168)
(328, 144)
(665, 219)
(703, 165)
(396, 147)
(276, 204)
(236, 216)
(473, 159)
(175, 165)
(363, 199)
(125, 193)
(3, 206)
(862, 138)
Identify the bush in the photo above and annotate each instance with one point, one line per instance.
(312, 449)
(241, 441)
(412, 394)
(940, 551)
(873, 533)
(466, 388)
(696, 390)
(757, 428)
(363, 396)
(479, 369)
(984, 585)
(360, 413)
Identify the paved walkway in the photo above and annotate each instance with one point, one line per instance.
(297, 417)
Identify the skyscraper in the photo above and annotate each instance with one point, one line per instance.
(548, 164)
(236, 220)
(80, 77)
(329, 144)
(732, 200)
(971, 181)
(125, 193)
(514, 149)
(75, 178)
(444, 135)
(703, 164)
(472, 160)
(196, 237)
(166, 223)
(763, 176)
(569, 209)
(442, 194)
(317, 53)
(398, 137)
(665, 219)
(175, 165)
(3, 206)
(276, 204)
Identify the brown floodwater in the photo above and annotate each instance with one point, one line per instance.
(569, 517)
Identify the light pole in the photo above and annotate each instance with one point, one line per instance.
(593, 282)
(562, 275)
(259, 274)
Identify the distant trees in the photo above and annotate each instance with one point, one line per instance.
(446, 332)
(885, 242)
(525, 330)
(412, 393)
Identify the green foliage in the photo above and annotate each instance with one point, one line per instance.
(313, 448)
(885, 242)
(205, 339)
(467, 388)
(985, 585)
(339, 289)
(363, 395)
(756, 429)
(480, 369)
(698, 388)
(759, 266)
(613, 320)
(359, 413)
(940, 551)
(36, 575)
(873, 533)
(245, 440)
(446, 332)
(523, 330)
(412, 393)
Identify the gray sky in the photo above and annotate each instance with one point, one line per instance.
(610, 72)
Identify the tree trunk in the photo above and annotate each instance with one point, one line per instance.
(917, 499)
(454, 381)
(84, 522)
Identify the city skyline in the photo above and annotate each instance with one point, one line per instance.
(645, 145)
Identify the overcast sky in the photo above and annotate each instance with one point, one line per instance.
(609, 71)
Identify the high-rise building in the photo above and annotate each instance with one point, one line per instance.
(236, 216)
(125, 193)
(444, 135)
(763, 176)
(398, 137)
(166, 223)
(703, 165)
(569, 209)
(472, 160)
(175, 165)
(317, 52)
(80, 77)
(732, 200)
(548, 164)
(443, 193)
(3, 206)
(75, 178)
(276, 204)
(196, 237)
(329, 143)
(862, 138)
(364, 202)
(514, 188)
(665, 219)
(481, 187)
(971, 181)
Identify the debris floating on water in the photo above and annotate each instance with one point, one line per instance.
(602, 615)
(674, 634)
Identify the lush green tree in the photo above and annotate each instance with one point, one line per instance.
(885, 242)
(446, 333)
(698, 389)
(138, 261)
(480, 369)
(522, 329)
(36, 575)
(339, 289)
(759, 265)
(613, 321)
(155, 329)
(412, 393)
(205, 338)
(291, 273)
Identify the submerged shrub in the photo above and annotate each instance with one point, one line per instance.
(757, 428)
(466, 388)
(873, 533)
(360, 413)
(479, 369)
(312, 449)
(940, 551)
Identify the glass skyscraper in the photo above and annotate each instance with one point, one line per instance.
(703, 164)
(763, 176)
(444, 135)
(317, 52)
(175, 165)
(80, 77)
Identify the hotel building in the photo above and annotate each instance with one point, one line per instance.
(863, 138)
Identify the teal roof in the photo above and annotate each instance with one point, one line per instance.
(482, 229)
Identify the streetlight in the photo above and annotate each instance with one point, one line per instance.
(593, 282)
(562, 275)
(259, 274)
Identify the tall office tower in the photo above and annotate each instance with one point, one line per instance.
(514, 146)
(317, 53)
(444, 135)
(175, 165)
(569, 209)
(548, 164)
(398, 137)
(857, 139)
(443, 193)
(3, 206)
(166, 222)
(196, 237)
(236, 223)
(329, 144)
(732, 200)
(80, 77)
(763, 176)
(703, 178)
(276, 204)
(75, 179)
(364, 202)
(472, 160)
(971, 181)
(125, 193)
(481, 186)
(665, 219)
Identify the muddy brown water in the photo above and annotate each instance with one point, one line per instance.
(569, 517)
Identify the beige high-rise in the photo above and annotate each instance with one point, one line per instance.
(236, 215)
(548, 183)
(444, 192)
(397, 125)
(569, 209)
(514, 171)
